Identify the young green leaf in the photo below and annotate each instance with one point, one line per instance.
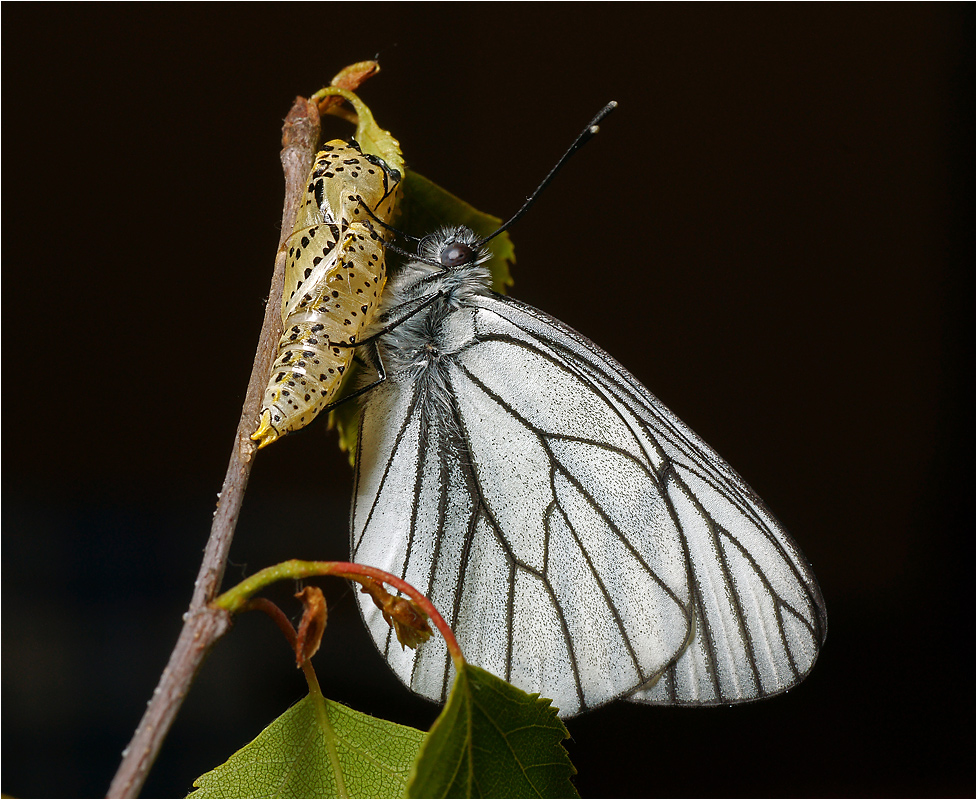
(336, 752)
(493, 740)
(371, 137)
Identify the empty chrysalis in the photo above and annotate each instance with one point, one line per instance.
(334, 277)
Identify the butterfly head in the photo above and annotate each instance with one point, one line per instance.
(453, 248)
(450, 261)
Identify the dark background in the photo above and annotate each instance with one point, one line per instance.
(773, 232)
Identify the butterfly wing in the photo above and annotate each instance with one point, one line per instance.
(550, 508)
(758, 611)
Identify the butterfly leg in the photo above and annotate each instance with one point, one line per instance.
(424, 303)
(381, 377)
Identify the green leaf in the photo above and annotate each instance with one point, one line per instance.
(331, 751)
(493, 740)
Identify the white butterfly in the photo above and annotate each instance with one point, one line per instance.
(579, 539)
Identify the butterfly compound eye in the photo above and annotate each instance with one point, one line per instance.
(455, 254)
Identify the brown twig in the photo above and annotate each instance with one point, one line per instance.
(204, 625)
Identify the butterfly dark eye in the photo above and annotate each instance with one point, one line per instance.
(456, 254)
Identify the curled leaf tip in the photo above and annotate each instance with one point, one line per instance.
(402, 614)
(349, 78)
(313, 623)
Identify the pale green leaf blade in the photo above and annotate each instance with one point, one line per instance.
(493, 740)
(291, 758)
(371, 137)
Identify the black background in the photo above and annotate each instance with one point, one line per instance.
(772, 232)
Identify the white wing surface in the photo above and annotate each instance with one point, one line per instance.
(579, 539)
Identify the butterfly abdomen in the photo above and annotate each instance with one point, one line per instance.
(334, 275)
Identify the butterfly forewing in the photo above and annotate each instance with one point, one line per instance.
(759, 613)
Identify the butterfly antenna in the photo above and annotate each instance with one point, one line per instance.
(580, 141)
